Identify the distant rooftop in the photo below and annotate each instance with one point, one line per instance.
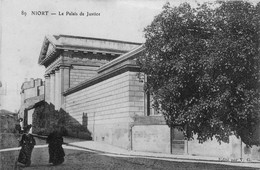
(6, 112)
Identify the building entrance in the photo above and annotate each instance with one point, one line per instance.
(177, 142)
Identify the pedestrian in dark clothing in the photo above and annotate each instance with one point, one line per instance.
(56, 152)
(27, 143)
(19, 127)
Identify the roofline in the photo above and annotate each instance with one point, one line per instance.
(53, 39)
(101, 39)
(122, 58)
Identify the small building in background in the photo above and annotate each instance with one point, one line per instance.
(32, 92)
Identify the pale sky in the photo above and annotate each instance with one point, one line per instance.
(22, 36)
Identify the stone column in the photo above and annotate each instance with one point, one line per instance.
(47, 88)
(52, 87)
(65, 81)
(57, 89)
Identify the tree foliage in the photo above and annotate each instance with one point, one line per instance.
(202, 65)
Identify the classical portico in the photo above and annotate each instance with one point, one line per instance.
(70, 60)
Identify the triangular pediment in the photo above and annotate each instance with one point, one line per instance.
(48, 46)
(54, 44)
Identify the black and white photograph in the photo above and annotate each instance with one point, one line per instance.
(130, 84)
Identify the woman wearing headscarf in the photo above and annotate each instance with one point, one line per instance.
(27, 143)
(56, 152)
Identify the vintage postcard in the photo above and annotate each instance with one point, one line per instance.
(73, 94)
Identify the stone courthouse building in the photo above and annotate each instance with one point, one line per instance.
(94, 90)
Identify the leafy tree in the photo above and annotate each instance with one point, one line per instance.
(202, 66)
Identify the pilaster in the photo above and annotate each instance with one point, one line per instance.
(65, 81)
(52, 87)
(47, 88)
(57, 89)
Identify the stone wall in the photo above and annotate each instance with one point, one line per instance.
(84, 66)
(234, 150)
(151, 138)
(209, 148)
(79, 74)
(151, 134)
(136, 96)
(108, 106)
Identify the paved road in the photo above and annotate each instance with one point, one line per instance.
(85, 159)
(82, 159)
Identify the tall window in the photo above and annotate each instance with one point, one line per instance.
(151, 111)
(148, 98)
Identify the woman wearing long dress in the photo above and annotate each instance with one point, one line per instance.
(56, 152)
(27, 143)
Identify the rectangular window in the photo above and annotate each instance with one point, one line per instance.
(148, 99)
(151, 111)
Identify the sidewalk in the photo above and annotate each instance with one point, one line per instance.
(106, 149)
